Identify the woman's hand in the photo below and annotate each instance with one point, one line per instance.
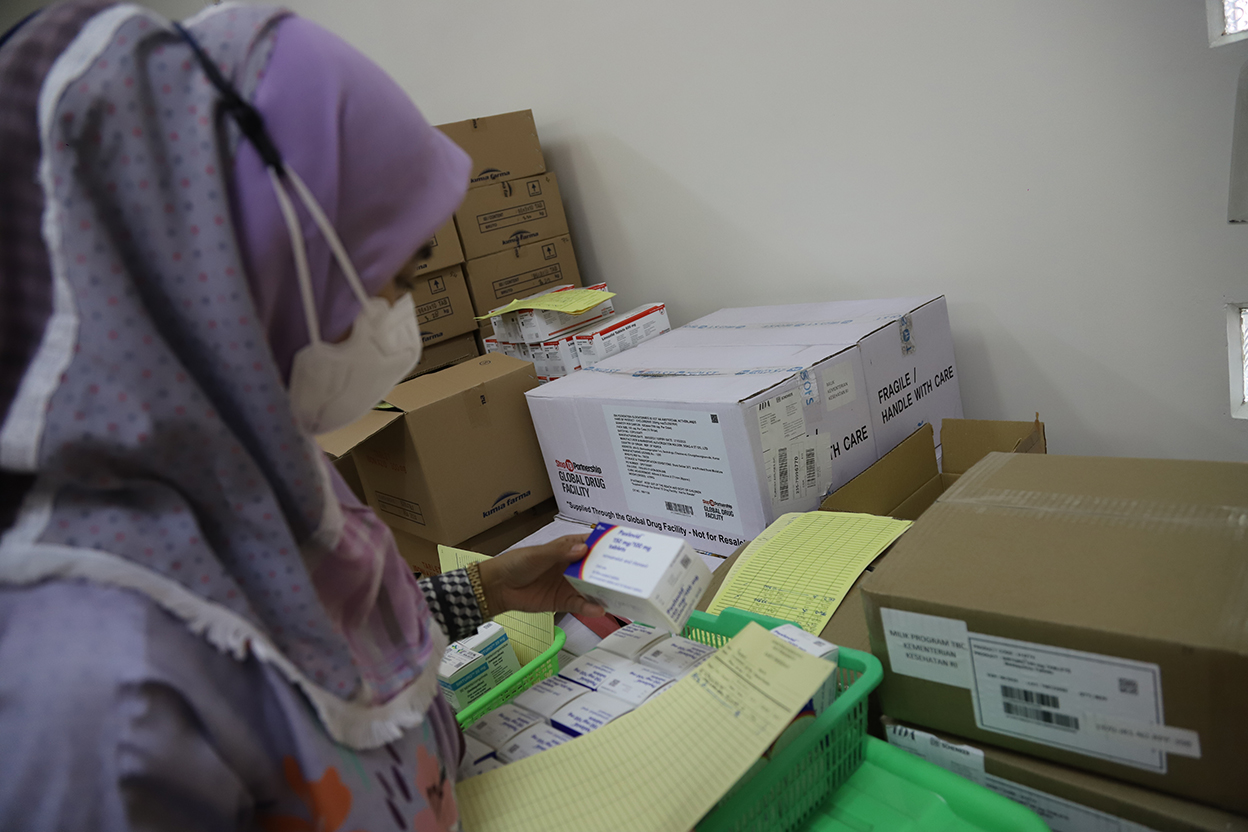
(531, 579)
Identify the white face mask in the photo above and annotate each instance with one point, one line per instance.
(332, 385)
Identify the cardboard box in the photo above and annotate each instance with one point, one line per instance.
(521, 271)
(620, 332)
(422, 554)
(907, 479)
(711, 443)
(505, 215)
(1089, 611)
(1067, 799)
(653, 578)
(502, 147)
(460, 456)
(443, 307)
(443, 354)
(906, 346)
(902, 484)
(339, 446)
(444, 251)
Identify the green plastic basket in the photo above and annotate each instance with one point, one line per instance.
(545, 665)
(786, 793)
(900, 792)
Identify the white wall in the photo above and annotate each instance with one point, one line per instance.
(1058, 169)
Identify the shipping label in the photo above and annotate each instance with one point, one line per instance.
(838, 385)
(791, 458)
(1050, 694)
(1102, 706)
(967, 761)
(1061, 815)
(674, 464)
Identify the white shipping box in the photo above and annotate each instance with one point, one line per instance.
(711, 443)
(643, 576)
(906, 346)
(621, 332)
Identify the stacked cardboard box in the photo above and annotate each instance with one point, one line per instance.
(511, 225)
(1088, 612)
(716, 428)
(451, 458)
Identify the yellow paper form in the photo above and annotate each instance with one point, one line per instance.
(662, 767)
(530, 633)
(569, 302)
(801, 566)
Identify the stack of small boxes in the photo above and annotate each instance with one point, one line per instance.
(443, 307)
(512, 227)
(559, 344)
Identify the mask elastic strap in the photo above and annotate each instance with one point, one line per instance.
(251, 124)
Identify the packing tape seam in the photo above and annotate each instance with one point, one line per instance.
(1113, 510)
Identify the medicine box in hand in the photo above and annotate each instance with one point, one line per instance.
(653, 578)
(491, 641)
(463, 676)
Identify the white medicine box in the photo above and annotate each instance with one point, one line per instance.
(656, 579)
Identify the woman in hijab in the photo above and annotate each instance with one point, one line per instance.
(200, 627)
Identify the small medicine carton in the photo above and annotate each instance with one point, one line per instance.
(629, 641)
(823, 697)
(643, 576)
(675, 656)
(535, 325)
(592, 669)
(534, 740)
(501, 724)
(478, 758)
(542, 324)
(463, 676)
(491, 641)
(820, 649)
(549, 695)
(589, 712)
(621, 332)
(634, 683)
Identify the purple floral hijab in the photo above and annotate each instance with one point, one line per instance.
(153, 415)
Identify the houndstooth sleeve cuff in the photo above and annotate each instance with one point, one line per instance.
(453, 604)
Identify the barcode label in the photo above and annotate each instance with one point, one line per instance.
(679, 508)
(782, 462)
(1041, 715)
(684, 562)
(810, 468)
(1030, 697)
(613, 683)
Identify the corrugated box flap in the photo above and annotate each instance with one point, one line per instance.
(966, 441)
(424, 390)
(1148, 548)
(340, 442)
(891, 481)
